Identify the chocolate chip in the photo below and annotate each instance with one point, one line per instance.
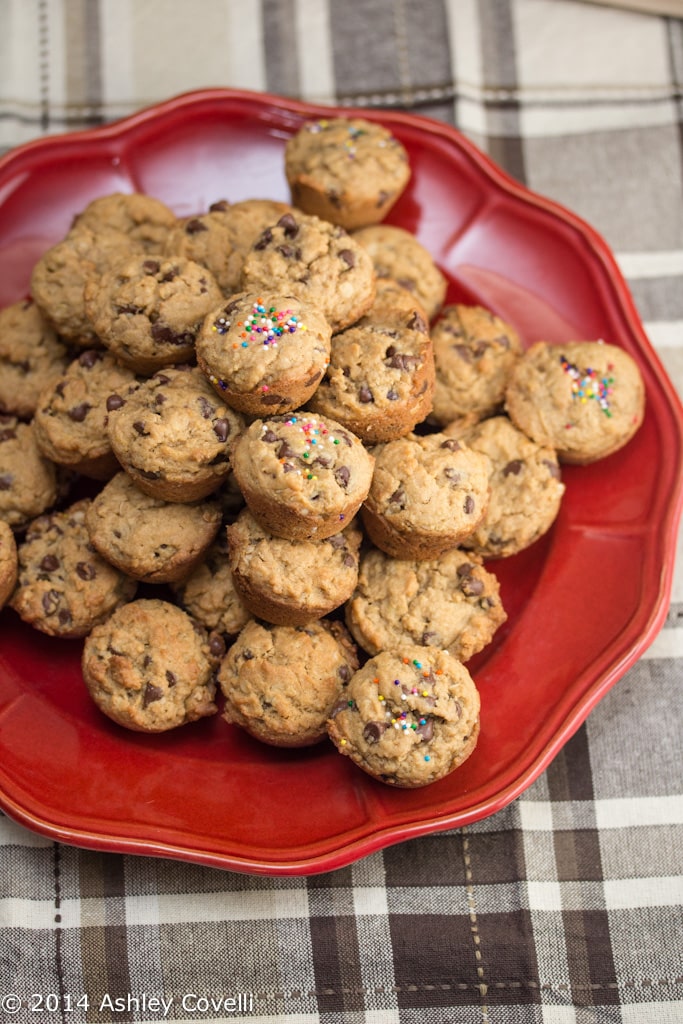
(194, 226)
(345, 438)
(164, 335)
(453, 475)
(334, 197)
(344, 672)
(220, 206)
(514, 467)
(288, 251)
(348, 257)
(417, 323)
(114, 402)
(383, 197)
(553, 468)
(79, 412)
(270, 398)
(128, 310)
(64, 616)
(151, 694)
(373, 732)
(151, 267)
(264, 241)
(365, 394)
(216, 645)
(469, 505)
(284, 451)
(89, 358)
(86, 570)
(206, 408)
(349, 561)
(398, 498)
(50, 601)
(170, 275)
(464, 352)
(451, 445)
(6, 479)
(337, 540)
(171, 677)
(342, 475)
(471, 586)
(149, 474)
(429, 637)
(49, 563)
(289, 225)
(426, 729)
(139, 428)
(392, 395)
(465, 569)
(221, 429)
(342, 705)
(269, 436)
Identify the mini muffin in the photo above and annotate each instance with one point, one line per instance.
(292, 582)
(8, 562)
(59, 277)
(346, 170)
(171, 434)
(220, 238)
(315, 261)
(152, 540)
(149, 667)
(585, 399)
(148, 311)
(29, 482)
(526, 487)
(281, 683)
(409, 717)
(145, 220)
(71, 419)
(474, 352)
(65, 587)
(32, 357)
(302, 476)
(264, 353)
(380, 380)
(209, 594)
(398, 255)
(451, 602)
(427, 494)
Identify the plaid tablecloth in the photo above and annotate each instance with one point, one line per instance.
(566, 906)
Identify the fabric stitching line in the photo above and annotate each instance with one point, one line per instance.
(44, 64)
(400, 33)
(560, 987)
(474, 924)
(57, 870)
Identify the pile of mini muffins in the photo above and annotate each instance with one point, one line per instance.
(253, 453)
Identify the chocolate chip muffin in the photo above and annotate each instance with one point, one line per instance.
(302, 476)
(380, 380)
(209, 593)
(526, 487)
(349, 171)
(474, 352)
(148, 312)
(71, 419)
(266, 353)
(315, 261)
(220, 238)
(451, 602)
(65, 587)
(145, 220)
(585, 399)
(29, 482)
(32, 357)
(59, 277)
(281, 683)
(150, 668)
(292, 582)
(428, 494)
(152, 540)
(171, 434)
(408, 717)
(399, 256)
(8, 562)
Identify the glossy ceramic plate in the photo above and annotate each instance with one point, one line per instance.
(583, 603)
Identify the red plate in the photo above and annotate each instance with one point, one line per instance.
(583, 603)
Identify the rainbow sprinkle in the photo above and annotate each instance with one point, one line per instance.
(264, 325)
(588, 384)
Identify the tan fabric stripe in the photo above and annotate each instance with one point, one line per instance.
(83, 60)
